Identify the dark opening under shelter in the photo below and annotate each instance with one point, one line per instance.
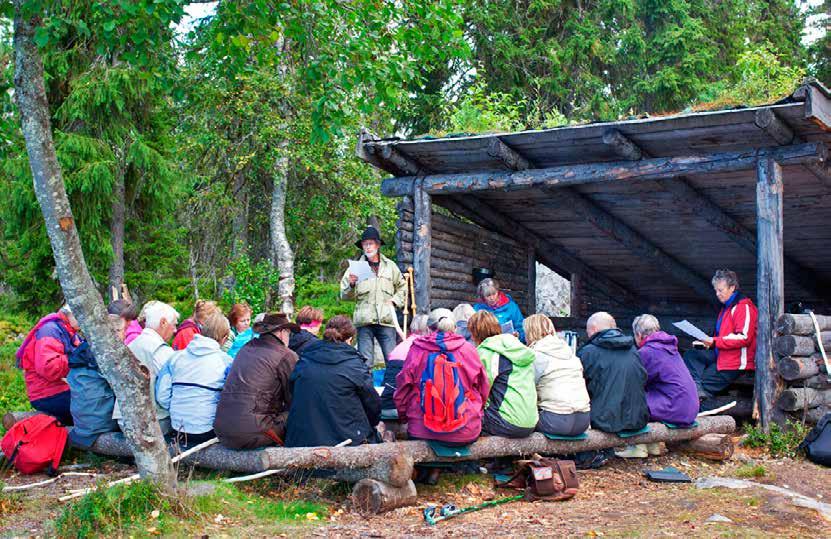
(637, 214)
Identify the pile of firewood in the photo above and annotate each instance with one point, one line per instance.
(802, 367)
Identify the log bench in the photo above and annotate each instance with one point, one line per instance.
(383, 471)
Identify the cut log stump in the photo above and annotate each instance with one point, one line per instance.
(710, 446)
(371, 497)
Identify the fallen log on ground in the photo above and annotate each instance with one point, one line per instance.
(373, 455)
(709, 446)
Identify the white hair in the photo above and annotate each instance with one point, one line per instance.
(645, 325)
(441, 320)
(419, 325)
(65, 309)
(463, 311)
(158, 310)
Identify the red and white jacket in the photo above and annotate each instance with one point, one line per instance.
(736, 339)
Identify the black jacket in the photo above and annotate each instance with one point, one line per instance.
(300, 340)
(332, 397)
(616, 380)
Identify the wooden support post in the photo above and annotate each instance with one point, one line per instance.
(371, 497)
(422, 244)
(770, 287)
(531, 300)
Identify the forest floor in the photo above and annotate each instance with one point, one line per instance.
(613, 501)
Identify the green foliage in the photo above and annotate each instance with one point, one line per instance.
(779, 441)
(252, 283)
(322, 295)
(484, 111)
(13, 328)
(748, 471)
(820, 50)
(761, 77)
(140, 508)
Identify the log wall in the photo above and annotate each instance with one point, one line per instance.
(807, 393)
(459, 247)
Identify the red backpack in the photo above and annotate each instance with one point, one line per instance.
(35, 444)
(443, 398)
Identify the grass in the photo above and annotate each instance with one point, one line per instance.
(141, 510)
(748, 471)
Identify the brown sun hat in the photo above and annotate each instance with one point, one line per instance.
(274, 322)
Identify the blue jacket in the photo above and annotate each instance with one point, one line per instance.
(239, 341)
(92, 398)
(507, 312)
(189, 385)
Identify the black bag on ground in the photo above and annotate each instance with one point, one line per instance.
(817, 444)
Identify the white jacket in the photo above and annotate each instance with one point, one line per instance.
(189, 385)
(153, 352)
(561, 388)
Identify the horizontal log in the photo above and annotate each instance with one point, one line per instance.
(488, 446)
(459, 277)
(446, 284)
(371, 497)
(796, 398)
(814, 415)
(645, 169)
(476, 248)
(10, 418)
(797, 345)
(801, 324)
(710, 446)
(820, 381)
(798, 368)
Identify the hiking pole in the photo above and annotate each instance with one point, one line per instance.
(412, 290)
(406, 304)
(433, 514)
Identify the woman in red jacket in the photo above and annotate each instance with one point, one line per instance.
(733, 349)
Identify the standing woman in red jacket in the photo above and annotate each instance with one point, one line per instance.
(733, 349)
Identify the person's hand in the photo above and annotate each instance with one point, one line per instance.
(707, 342)
(516, 334)
(352, 279)
(390, 302)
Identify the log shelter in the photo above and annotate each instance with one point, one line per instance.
(636, 214)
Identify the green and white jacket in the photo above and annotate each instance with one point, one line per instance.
(372, 295)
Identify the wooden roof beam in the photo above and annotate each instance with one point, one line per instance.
(510, 157)
(549, 252)
(683, 191)
(385, 155)
(612, 226)
(781, 132)
(568, 175)
(616, 229)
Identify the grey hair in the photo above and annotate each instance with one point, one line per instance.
(487, 287)
(441, 320)
(727, 276)
(419, 325)
(463, 311)
(645, 325)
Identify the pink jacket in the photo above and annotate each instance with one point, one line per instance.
(473, 377)
(132, 331)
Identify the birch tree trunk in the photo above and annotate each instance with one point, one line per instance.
(119, 366)
(281, 254)
(117, 226)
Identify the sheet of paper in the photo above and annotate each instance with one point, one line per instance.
(690, 329)
(508, 327)
(361, 269)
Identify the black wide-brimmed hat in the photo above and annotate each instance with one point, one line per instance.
(274, 322)
(371, 233)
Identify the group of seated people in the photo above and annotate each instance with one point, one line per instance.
(457, 375)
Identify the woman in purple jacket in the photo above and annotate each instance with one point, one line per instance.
(670, 390)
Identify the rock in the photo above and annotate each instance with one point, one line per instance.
(715, 517)
(553, 293)
(200, 488)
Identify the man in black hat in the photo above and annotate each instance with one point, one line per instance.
(254, 403)
(376, 298)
